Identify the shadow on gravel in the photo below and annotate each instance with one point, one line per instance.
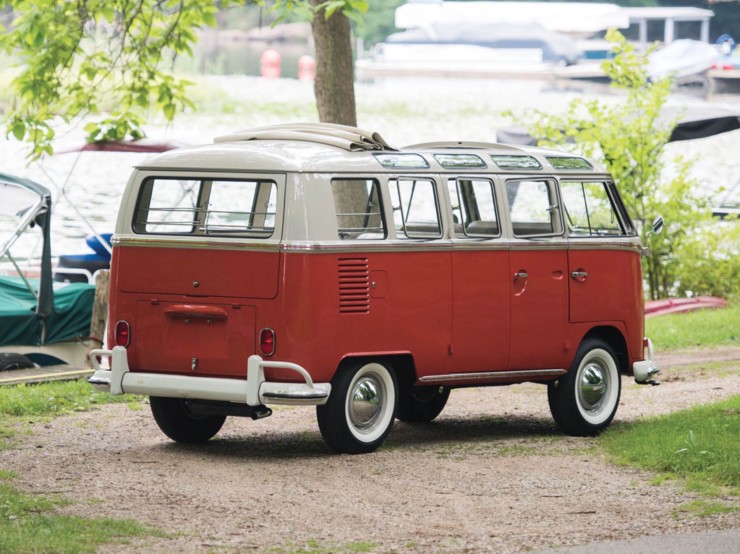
(483, 431)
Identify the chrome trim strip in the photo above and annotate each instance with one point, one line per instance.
(493, 376)
(356, 247)
(199, 244)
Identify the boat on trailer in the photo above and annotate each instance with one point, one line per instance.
(47, 304)
(42, 323)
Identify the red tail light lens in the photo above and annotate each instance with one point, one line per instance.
(267, 341)
(123, 333)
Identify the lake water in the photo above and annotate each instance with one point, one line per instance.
(404, 111)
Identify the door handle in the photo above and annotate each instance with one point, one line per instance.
(579, 275)
(520, 275)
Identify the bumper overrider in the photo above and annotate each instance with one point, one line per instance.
(645, 370)
(254, 391)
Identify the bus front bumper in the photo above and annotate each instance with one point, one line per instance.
(254, 391)
(645, 370)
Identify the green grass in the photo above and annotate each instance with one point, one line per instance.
(49, 400)
(705, 328)
(315, 547)
(702, 508)
(31, 524)
(700, 446)
(53, 399)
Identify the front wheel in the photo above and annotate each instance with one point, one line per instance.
(361, 408)
(180, 424)
(583, 402)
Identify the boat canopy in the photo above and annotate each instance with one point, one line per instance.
(554, 46)
(692, 123)
(29, 203)
(132, 146)
(577, 18)
(31, 310)
(19, 325)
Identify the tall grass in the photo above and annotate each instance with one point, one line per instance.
(703, 328)
(700, 446)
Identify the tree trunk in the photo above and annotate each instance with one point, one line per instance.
(334, 85)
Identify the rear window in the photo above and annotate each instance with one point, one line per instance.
(211, 207)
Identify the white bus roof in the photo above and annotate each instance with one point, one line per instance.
(306, 148)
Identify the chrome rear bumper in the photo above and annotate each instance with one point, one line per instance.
(254, 391)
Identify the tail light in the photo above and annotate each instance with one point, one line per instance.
(267, 341)
(123, 333)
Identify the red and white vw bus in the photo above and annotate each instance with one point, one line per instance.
(315, 265)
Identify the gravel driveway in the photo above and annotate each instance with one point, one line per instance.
(492, 474)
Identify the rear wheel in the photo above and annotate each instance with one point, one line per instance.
(421, 404)
(583, 402)
(361, 408)
(180, 424)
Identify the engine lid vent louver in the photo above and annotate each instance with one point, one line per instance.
(354, 286)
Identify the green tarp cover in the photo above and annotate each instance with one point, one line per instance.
(19, 323)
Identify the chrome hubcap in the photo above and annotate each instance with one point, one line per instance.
(366, 402)
(592, 387)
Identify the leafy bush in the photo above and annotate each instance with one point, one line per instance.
(694, 254)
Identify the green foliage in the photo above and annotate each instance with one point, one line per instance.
(705, 328)
(111, 58)
(698, 445)
(52, 399)
(29, 524)
(710, 264)
(306, 9)
(629, 137)
(78, 58)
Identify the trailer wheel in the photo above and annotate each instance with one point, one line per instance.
(361, 408)
(11, 360)
(583, 402)
(180, 424)
(421, 404)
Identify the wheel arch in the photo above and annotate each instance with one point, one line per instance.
(402, 364)
(614, 338)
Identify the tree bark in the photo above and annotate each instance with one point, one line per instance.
(334, 84)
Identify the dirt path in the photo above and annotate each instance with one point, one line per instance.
(490, 475)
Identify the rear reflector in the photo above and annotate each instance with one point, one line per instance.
(123, 333)
(267, 341)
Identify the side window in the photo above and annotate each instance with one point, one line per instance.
(533, 205)
(415, 211)
(358, 209)
(206, 207)
(473, 207)
(589, 210)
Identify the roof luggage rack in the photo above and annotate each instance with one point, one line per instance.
(331, 134)
(460, 144)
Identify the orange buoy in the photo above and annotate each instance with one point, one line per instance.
(306, 68)
(270, 64)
